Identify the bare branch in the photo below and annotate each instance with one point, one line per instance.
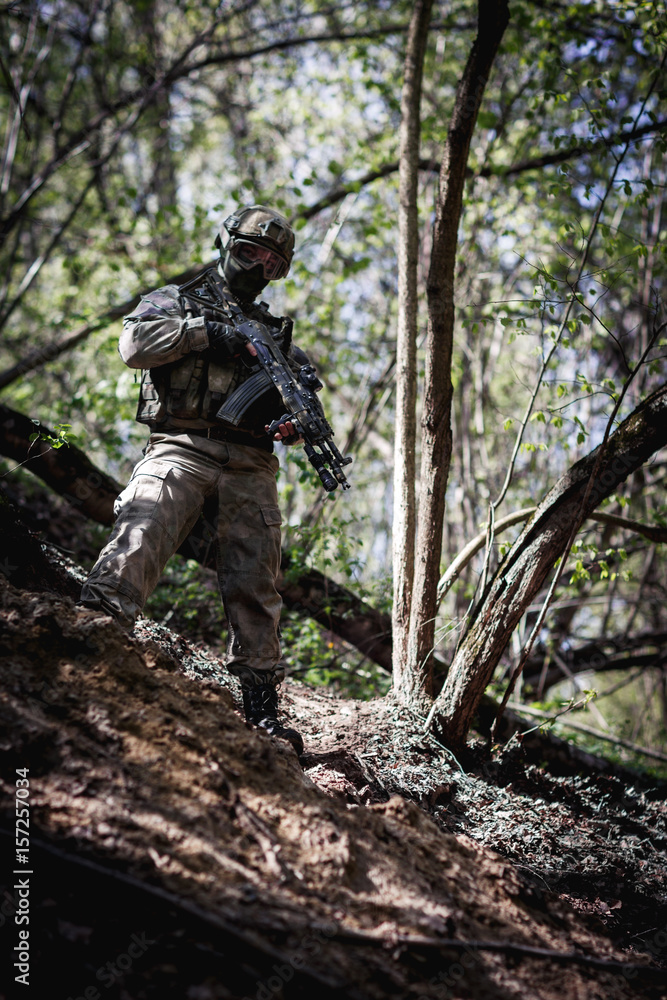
(582, 728)
(655, 533)
(52, 350)
(522, 166)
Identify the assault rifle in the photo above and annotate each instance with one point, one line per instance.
(298, 393)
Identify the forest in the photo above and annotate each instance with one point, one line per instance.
(475, 632)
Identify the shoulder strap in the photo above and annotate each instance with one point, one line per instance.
(194, 283)
(205, 290)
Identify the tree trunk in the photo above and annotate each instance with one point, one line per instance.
(493, 16)
(403, 534)
(526, 566)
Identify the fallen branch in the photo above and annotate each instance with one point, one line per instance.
(71, 474)
(223, 920)
(229, 925)
(643, 651)
(526, 951)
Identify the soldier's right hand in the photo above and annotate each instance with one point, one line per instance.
(224, 339)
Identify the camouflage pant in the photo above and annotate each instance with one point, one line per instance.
(157, 511)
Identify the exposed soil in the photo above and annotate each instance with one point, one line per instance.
(374, 867)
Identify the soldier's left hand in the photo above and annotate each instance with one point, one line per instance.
(286, 433)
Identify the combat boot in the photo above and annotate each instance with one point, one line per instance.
(105, 610)
(260, 704)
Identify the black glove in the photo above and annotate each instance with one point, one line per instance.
(224, 339)
(274, 426)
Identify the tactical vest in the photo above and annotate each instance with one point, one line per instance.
(195, 386)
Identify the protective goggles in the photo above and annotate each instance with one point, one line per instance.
(249, 254)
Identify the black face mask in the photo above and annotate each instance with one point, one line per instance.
(246, 284)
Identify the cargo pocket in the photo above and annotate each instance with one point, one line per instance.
(271, 516)
(270, 540)
(144, 490)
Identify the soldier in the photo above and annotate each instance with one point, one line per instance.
(192, 360)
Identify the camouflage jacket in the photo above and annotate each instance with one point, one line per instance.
(184, 383)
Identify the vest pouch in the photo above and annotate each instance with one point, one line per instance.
(183, 395)
(220, 378)
(151, 409)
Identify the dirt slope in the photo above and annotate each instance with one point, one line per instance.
(178, 854)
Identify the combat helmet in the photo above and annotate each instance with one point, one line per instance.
(258, 226)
